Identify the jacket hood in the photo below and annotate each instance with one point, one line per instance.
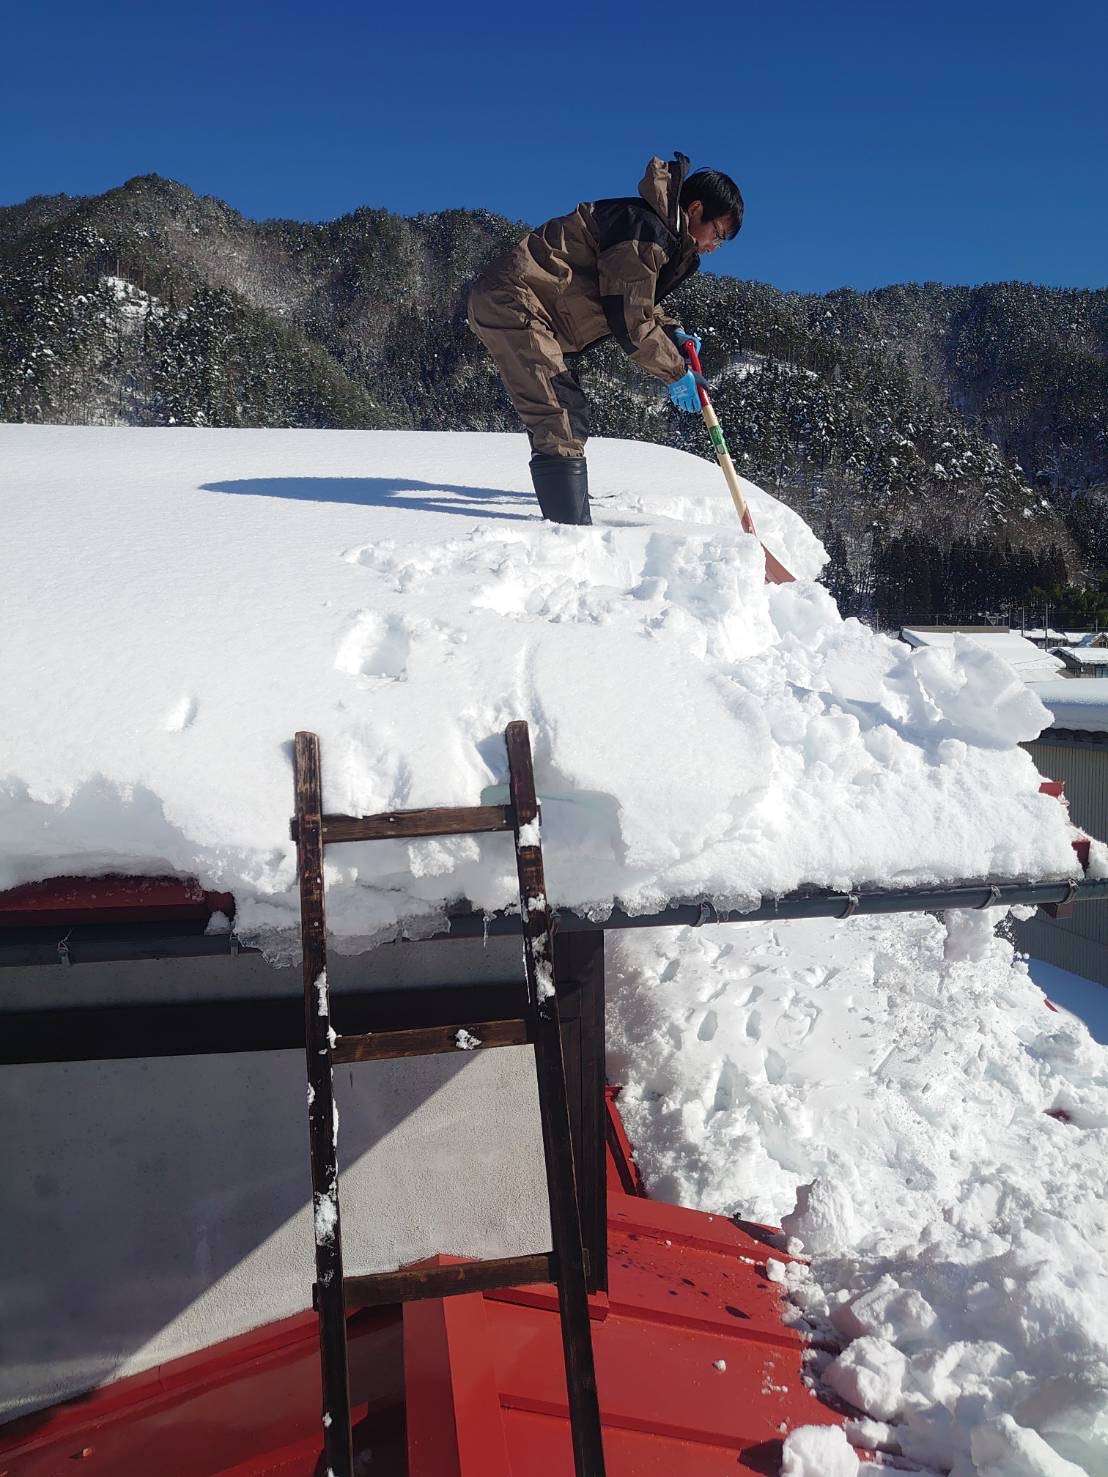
(661, 185)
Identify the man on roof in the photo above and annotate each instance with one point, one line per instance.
(602, 270)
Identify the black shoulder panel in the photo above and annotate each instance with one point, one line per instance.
(631, 219)
(673, 274)
(616, 315)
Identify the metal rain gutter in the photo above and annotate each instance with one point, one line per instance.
(827, 904)
(98, 943)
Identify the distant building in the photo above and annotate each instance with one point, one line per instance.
(1074, 749)
(1029, 662)
(1047, 637)
(1083, 661)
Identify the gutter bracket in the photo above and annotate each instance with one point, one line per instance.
(706, 914)
(851, 906)
(1064, 908)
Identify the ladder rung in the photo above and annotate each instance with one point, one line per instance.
(374, 1289)
(379, 1046)
(458, 820)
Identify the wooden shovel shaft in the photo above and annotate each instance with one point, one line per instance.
(719, 445)
(776, 573)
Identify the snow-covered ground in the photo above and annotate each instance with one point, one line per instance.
(883, 1088)
(177, 603)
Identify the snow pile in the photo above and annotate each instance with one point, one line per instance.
(177, 603)
(883, 1089)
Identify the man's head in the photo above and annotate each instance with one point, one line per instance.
(713, 207)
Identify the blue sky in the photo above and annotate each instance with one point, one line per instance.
(874, 143)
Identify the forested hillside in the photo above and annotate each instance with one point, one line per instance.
(949, 444)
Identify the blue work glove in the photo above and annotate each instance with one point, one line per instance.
(683, 392)
(681, 338)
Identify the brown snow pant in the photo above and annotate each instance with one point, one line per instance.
(541, 386)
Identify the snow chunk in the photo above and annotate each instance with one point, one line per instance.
(544, 980)
(823, 1217)
(886, 1311)
(818, 1451)
(870, 1375)
(970, 933)
(326, 1217)
(1001, 1448)
(465, 1040)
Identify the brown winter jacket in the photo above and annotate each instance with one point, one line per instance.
(604, 269)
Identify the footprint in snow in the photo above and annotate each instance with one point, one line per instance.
(775, 1066)
(384, 647)
(181, 715)
(375, 647)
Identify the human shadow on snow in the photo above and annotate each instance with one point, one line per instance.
(394, 492)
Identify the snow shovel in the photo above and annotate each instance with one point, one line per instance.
(776, 573)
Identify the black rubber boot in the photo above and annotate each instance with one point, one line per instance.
(562, 488)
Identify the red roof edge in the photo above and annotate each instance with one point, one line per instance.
(110, 899)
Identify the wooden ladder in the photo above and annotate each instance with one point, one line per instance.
(564, 1264)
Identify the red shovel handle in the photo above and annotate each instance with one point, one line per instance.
(689, 350)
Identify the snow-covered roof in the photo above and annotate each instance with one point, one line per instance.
(1076, 702)
(1083, 656)
(185, 600)
(1051, 633)
(1025, 658)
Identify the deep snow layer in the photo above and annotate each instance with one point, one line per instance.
(1076, 702)
(177, 603)
(883, 1088)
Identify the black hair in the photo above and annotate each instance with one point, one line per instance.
(718, 194)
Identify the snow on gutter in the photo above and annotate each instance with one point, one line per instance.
(84, 943)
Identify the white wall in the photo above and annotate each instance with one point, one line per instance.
(152, 1207)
